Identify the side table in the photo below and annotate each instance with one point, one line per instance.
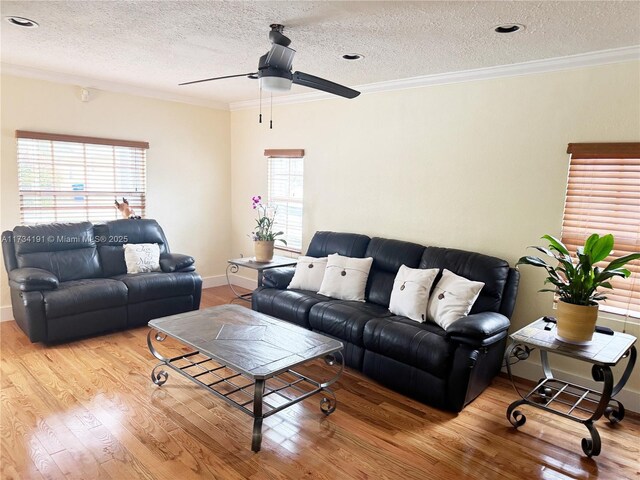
(568, 400)
(250, 262)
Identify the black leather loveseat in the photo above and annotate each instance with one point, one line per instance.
(446, 369)
(70, 280)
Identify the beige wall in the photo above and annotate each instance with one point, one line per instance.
(188, 167)
(479, 166)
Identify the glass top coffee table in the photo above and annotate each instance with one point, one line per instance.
(247, 359)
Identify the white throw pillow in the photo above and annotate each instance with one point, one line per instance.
(142, 257)
(452, 298)
(309, 273)
(346, 278)
(410, 294)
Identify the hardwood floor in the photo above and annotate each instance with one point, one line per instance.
(88, 409)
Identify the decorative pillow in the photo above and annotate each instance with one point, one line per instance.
(346, 278)
(452, 298)
(410, 294)
(309, 273)
(142, 257)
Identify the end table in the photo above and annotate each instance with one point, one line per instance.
(568, 400)
(250, 262)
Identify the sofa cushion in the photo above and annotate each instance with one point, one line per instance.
(491, 271)
(420, 345)
(67, 250)
(111, 236)
(290, 305)
(343, 319)
(346, 244)
(79, 296)
(154, 285)
(388, 255)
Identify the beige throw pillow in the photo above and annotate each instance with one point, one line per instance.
(410, 294)
(452, 298)
(309, 273)
(346, 278)
(142, 257)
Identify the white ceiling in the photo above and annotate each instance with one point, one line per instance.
(156, 45)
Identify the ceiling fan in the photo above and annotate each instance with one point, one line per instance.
(274, 70)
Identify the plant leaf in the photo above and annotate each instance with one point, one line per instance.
(534, 261)
(601, 248)
(620, 262)
(588, 245)
(556, 244)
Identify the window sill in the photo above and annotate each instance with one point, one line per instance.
(288, 250)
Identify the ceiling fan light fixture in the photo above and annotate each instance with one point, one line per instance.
(275, 84)
(353, 56)
(21, 22)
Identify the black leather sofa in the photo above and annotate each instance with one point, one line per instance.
(446, 369)
(70, 280)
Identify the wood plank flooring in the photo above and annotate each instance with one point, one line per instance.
(88, 409)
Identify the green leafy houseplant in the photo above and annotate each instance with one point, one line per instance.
(577, 280)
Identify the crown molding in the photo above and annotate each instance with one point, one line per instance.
(591, 59)
(106, 85)
(602, 57)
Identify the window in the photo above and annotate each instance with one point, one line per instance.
(65, 178)
(285, 173)
(603, 196)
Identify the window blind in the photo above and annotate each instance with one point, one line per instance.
(64, 178)
(285, 179)
(603, 196)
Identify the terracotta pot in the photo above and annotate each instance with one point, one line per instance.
(576, 323)
(263, 250)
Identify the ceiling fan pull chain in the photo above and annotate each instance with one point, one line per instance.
(271, 114)
(260, 115)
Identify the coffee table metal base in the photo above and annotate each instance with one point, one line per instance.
(260, 398)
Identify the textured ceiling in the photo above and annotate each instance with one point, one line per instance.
(157, 45)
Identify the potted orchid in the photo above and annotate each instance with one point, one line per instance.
(263, 236)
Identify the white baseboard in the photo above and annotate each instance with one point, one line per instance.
(532, 370)
(6, 314)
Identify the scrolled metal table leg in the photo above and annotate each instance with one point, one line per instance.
(328, 404)
(232, 268)
(602, 373)
(160, 338)
(161, 377)
(516, 417)
(614, 414)
(256, 438)
(331, 360)
(591, 447)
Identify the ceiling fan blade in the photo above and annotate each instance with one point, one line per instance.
(280, 57)
(304, 79)
(219, 78)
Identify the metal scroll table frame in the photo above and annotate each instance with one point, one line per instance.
(550, 390)
(233, 266)
(261, 408)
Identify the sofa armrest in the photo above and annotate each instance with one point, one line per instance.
(479, 329)
(32, 279)
(279, 278)
(175, 262)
